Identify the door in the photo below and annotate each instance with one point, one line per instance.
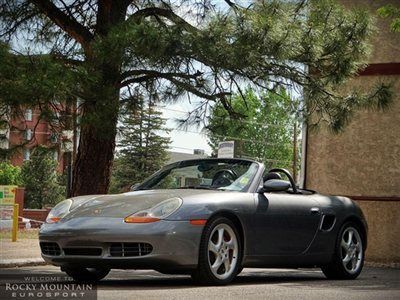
(284, 224)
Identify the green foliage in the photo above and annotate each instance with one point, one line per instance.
(153, 41)
(9, 175)
(265, 132)
(143, 150)
(181, 48)
(40, 179)
(390, 11)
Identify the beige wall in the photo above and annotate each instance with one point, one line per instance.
(387, 42)
(384, 231)
(364, 160)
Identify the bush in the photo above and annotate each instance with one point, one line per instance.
(9, 175)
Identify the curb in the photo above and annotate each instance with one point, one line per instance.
(22, 262)
(391, 265)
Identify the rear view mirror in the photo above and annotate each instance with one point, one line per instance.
(275, 185)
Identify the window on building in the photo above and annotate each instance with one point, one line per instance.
(28, 134)
(27, 154)
(28, 115)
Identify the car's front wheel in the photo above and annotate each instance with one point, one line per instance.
(348, 259)
(219, 254)
(81, 274)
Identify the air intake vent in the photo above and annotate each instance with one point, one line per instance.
(130, 249)
(51, 249)
(327, 222)
(83, 251)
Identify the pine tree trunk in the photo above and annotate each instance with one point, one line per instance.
(92, 168)
(93, 164)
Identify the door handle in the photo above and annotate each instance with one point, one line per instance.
(314, 210)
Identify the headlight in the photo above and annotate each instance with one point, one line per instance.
(156, 213)
(59, 211)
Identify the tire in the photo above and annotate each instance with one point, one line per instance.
(81, 274)
(348, 258)
(225, 253)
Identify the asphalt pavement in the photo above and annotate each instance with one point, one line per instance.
(374, 283)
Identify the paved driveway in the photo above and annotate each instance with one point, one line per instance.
(374, 283)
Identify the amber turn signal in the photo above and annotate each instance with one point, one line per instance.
(53, 220)
(132, 219)
(198, 222)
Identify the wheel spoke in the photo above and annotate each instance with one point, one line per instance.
(353, 262)
(347, 258)
(213, 248)
(218, 262)
(220, 237)
(344, 245)
(350, 237)
(227, 264)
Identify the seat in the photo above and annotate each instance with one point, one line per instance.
(272, 175)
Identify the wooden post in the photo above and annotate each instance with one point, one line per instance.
(15, 223)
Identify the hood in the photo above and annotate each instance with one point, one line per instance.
(123, 205)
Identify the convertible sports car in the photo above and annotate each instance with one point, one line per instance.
(209, 218)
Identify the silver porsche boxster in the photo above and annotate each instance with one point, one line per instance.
(209, 218)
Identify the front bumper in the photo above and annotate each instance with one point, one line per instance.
(175, 243)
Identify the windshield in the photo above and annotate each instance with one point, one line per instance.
(233, 175)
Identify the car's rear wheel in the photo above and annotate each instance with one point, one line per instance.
(220, 253)
(81, 274)
(348, 259)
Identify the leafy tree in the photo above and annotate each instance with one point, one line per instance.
(97, 50)
(390, 11)
(266, 131)
(143, 150)
(9, 175)
(39, 177)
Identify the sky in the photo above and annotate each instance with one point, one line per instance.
(181, 140)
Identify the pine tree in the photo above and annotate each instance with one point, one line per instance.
(143, 149)
(95, 49)
(40, 179)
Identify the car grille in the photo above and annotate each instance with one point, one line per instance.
(83, 251)
(130, 249)
(51, 249)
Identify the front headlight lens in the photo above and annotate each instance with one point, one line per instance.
(156, 213)
(59, 211)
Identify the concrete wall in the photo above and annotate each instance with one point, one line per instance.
(364, 160)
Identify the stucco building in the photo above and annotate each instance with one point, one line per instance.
(363, 162)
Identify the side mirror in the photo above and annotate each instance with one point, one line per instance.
(275, 185)
(133, 187)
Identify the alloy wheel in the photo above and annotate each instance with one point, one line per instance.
(222, 251)
(351, 250)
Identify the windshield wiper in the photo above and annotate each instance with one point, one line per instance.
(197, 187)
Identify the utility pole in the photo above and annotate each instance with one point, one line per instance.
(294, 166)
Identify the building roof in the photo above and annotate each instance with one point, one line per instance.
(178, 156)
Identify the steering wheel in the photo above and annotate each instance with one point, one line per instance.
(287, 173)
(224, 177)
